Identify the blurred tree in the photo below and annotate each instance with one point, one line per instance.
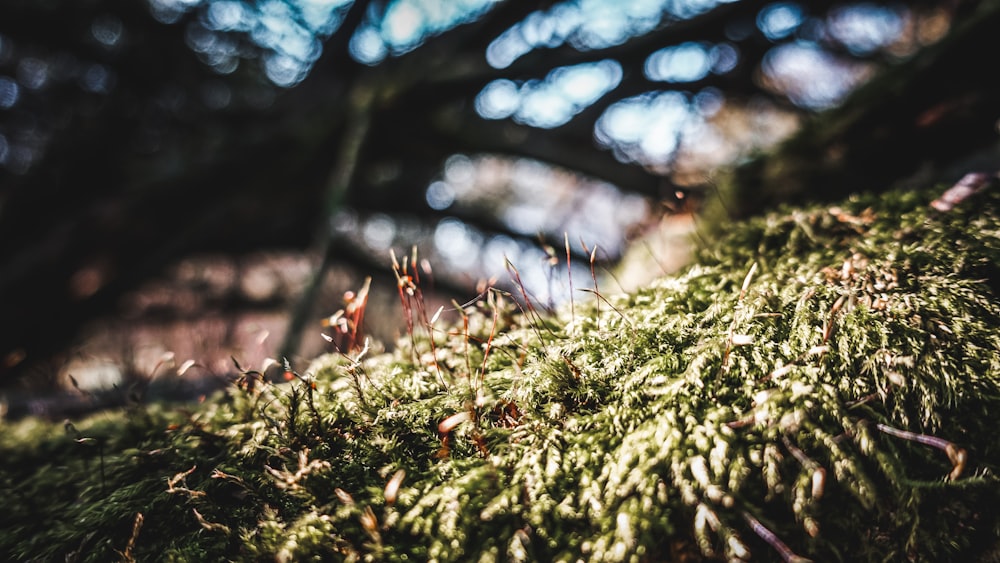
(132, 134)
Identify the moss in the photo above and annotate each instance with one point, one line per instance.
(819, 382)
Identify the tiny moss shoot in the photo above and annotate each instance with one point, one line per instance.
(822, 383)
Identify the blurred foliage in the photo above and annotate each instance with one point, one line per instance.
(819, 383)
(134, 134)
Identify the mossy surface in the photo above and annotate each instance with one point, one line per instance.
(822, 382)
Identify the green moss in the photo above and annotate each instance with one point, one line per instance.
(764, 386)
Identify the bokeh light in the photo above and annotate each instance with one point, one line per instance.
(499, 99)
(648, 127)
(228, 15)
(108, 30)
(810, 76)
(458, 243)
(686, 62)
(552, 101)
(406, 24)
(779, 20)
(588, 25)
(289, 32)
(864, 28)
(379, 232)
(33, 73)
(97, 78)
(440, 195)
(9, 92)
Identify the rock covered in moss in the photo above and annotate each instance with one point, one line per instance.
(820, 383)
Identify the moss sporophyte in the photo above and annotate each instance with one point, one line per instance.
(820, 383)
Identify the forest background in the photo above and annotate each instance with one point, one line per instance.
(184, 182)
